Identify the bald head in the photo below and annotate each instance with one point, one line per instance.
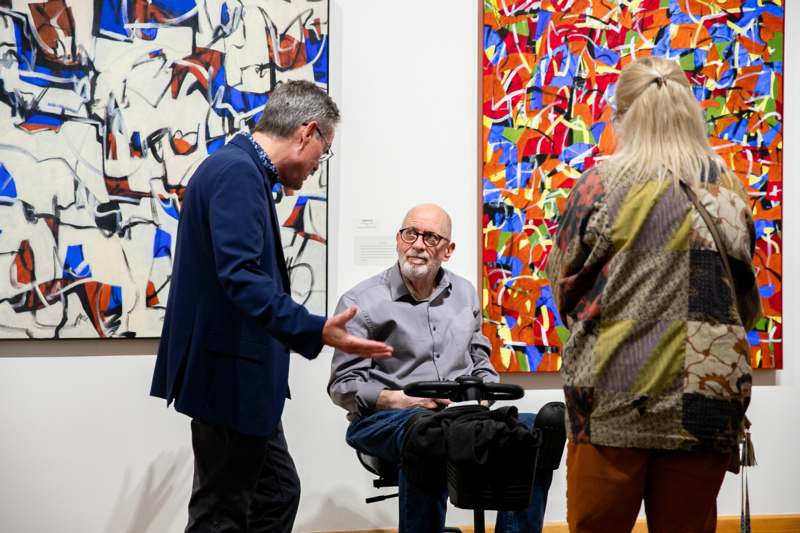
(431, 217)
(420, 260)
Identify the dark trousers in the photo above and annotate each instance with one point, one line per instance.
(242, 483)
(420, 510)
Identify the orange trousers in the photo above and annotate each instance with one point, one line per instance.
(606, 486)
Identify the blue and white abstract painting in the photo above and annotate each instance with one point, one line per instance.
(106, 109)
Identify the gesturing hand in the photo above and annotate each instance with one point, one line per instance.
(335, 334)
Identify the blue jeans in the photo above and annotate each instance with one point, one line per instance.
(422, 511)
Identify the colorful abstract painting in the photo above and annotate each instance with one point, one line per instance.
(548, 70)
(106, 109)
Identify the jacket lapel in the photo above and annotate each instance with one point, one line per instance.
(245, 145)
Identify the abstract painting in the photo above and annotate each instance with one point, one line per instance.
(106, 109)
(549, 68)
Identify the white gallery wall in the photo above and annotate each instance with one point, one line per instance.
(84, 449)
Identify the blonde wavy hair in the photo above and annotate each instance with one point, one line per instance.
(661, 129)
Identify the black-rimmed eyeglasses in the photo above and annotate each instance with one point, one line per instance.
(328, 153)
(410, 236)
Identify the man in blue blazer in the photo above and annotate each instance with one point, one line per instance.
(230, 320)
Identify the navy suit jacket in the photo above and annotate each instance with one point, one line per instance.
(230, 321)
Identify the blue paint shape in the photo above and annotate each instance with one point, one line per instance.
(511, 263)
(490, 193)
(721, 33)
(115, 299)
(508, 155)
(609, 57)
(240, 101)
(136, 141)
(492, 38)
(700, 57)
(8, 187)
(766, 291)
(176, 8)
(214, 144)
(536, 99)
(662, 46)
(597, 131)
(569, 66)
(169, 207)
(700, 93)
(546, 299)
(534, 356)
(676, 14)
(112, 18)
(319, 47)
(752, 338)
(496, 132)
(149, 34)
(75, 267)
(224, 16)
(726, 79)
(526, 171)
(41, 119)
(762, 226)
(511, 175)
(772, 9)
(162, 243)
(572, 152)
(769, 136)
(542, 22)
(737, 131)
(750, 15)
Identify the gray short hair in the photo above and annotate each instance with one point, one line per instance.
(293, 103)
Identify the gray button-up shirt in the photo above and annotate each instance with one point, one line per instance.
(436, 339)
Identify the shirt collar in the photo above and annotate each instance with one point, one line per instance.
(398, 288)
(266, 162)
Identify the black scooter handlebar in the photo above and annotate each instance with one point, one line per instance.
(464, 388)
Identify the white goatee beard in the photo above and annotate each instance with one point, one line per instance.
(414, 272)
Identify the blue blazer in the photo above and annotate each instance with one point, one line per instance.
(230, 320)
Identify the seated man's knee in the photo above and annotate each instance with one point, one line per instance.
(527, 419)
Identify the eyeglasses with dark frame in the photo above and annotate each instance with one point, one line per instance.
(328, 153)
(410, 236)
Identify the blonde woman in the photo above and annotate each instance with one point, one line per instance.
(656, 369)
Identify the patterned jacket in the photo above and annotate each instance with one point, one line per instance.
(657, 356)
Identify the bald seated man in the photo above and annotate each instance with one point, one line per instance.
(431, 317)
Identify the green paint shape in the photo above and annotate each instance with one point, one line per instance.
(687, 61)
(513, 134)
(776, 43)
(563, 334)
(522, 361)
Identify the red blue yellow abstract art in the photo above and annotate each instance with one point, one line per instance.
(548, 70)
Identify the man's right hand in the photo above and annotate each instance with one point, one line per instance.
(334, 333)
(397, 399)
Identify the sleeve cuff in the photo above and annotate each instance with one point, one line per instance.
(311, 345)
(488, 376)
(367, 397)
